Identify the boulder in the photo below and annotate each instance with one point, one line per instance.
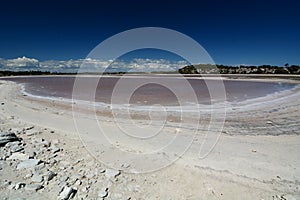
(7, 137)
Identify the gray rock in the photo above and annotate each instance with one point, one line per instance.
(64, 178)
(37, 178)
(18, 156)
(16, 130)
(45, 143)
(103, 193)
(49, 176)
(7, 137)
(55, 141)
(54, 149)
(33, 187)
(19, 185)
(14, 146)
(31, 132)
(31, 153)
(111, 173)
(27, 164)
(29, 128)
(67, 193)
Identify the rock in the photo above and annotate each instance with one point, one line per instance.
(289, 197)
(64, 178)
(45, 143)
(31, 153)
(77, 183)
(49, 176)
(16, 130)
(27, 164)
(54, 149)
(103, 193)
(7, 137)
(67, 193)
(111, 173)
(31, 132)
(14, 146)
(2, 103)
(37, 178)
(125, 165)
(55, 141)
(18, 156)
(19, 185)
(29, 128)
(33, 187)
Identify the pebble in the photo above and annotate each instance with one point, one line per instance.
(67, 193)
(34, 187)
(37, 178)
(103, 193)
(49, 176)
(27, 164)
(16, 130)
(31, 132)
(54, 149)
(31, 153)
(19, 185)
(29, 128)
(111, 173)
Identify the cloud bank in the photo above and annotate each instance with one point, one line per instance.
(91, 65)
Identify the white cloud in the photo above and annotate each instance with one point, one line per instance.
(91, 65)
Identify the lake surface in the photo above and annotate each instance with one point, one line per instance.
(150, 91)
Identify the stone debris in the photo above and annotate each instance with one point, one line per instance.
(14, 146)
(49, 176)
(37, 178)
(67, 193)
(18, 156)
(54, 149)
(29, 163)
(7, 137)
(34, 187)
(111, 173)
(32, 132)
(103, 193)
(19, 186)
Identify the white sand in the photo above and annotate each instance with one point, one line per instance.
(256, 157)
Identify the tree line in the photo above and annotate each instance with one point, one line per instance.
(242, 69)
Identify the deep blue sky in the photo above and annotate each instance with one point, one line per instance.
(233, 32)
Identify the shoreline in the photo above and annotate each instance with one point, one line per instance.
(242, 164)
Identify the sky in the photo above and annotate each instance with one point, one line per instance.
(232, 32)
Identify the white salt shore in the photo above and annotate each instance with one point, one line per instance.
(255, 157)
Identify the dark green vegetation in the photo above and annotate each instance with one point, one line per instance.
(191, 69)
(223, 69)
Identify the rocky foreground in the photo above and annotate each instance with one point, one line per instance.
(32, 167)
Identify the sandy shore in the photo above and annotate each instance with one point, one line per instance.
(255, 157)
